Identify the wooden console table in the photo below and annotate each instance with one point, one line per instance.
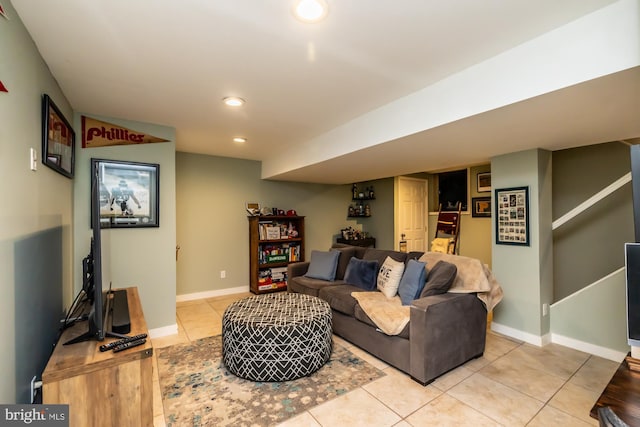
(622, 395)
(102, 388)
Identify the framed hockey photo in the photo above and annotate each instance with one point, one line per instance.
(129, 193)
(58, 139)
(512, 216)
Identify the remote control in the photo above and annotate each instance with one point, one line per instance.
(129, 344)
(113, 344)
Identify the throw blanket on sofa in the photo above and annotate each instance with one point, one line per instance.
(388, 314)
(473, 276)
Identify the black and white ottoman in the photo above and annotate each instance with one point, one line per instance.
(276, 337)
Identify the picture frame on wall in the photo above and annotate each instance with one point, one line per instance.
(512, 216)
(481, 207)
(129, 193)
(58, 139)
(484, 182)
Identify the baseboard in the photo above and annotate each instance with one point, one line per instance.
(521, 335)
(211, 294)
(606, 353)
(164, 331)
(596, 350)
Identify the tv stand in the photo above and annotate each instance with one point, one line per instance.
(103, 388)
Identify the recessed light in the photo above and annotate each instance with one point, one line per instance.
(310, 10)
(239, 139)
(233, 101)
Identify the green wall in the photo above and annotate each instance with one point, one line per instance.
(600, 232)
(129, 253)
(34, 202)
(525, 272)
(212, 226)
(380, 223)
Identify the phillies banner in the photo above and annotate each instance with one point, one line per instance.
(96, 133)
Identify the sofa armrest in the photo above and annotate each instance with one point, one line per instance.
(445, 331)
(296, 269)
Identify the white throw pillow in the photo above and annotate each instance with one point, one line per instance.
(389, 277)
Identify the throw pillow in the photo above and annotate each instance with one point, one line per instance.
(412, 282)
(361, 273)
(439, 279)
(323, 265)
(389, 277)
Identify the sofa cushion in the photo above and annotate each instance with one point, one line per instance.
(309, 286)
(389, 277)
(323, 265)
(339, 297)
(359, 314)
(346, 253)
(439, 279)
(413, 281)
(381, 255)
(362, 273)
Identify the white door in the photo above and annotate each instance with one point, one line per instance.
(412, 214)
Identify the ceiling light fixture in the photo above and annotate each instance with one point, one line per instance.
(239, 139)
(233, 101)
(310, 10)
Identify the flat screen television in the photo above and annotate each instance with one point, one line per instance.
(632, 264)
(92, 271)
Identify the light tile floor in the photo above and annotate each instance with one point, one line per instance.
(512, 384)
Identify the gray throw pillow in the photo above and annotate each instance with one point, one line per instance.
(362, 273)
(439, 279)
(323, 265)
(412, 282)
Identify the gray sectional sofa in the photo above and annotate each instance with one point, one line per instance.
(444, 330)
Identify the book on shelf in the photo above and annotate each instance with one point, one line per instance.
(276, 230)
(285, 252)
(276, 285)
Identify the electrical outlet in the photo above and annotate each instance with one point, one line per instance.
(223, 274)
(545, 309)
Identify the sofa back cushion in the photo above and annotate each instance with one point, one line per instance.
(439, 279)
(362, 273)
(323, 265)
(381, 255)
(346, 253)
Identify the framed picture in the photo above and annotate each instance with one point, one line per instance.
(129, 193)
(481, 207)
(58, 139)
(484, 182)
(512, 216)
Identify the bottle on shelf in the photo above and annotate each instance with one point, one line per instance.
(355, 191)
(371, 193)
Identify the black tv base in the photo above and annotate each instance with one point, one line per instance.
(117, 310)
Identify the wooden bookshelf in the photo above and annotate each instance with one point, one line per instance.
(102, 388)
(275, 241)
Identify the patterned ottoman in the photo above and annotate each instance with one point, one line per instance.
(276, 337)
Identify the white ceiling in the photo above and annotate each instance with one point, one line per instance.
(171, 63)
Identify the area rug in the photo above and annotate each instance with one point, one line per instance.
(197, 389)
